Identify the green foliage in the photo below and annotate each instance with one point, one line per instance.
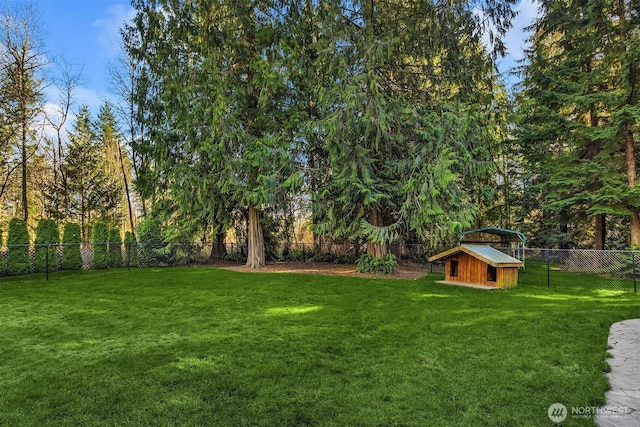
(18, 259)
(368, 264)
(47, 233)
(153, 251)
(93, 193)
(402, 158)
(186, 106)
(130, 249)
(573, 116)
(71, 239)
(115, 247)
(2, 256)
(99, 238)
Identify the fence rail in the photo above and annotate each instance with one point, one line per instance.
(608, 269)
(616, 270)
(24, 259)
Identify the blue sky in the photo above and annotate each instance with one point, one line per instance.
(86, 33)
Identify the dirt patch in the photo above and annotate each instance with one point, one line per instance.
(409, 271)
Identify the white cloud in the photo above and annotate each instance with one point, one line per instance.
(52, 111)
(82, 96)
(109, 27)
(90, 97)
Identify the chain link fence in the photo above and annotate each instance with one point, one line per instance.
(612, 270)
(25, 259)
(615, 270)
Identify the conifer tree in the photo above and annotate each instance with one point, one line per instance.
(47, 233)
(115, 247)
(216, 75)
(130, 249)
(92, 193)
(407, 96)
(99, 238)
(579, 109)
(22, 65)
(71, 239)
(18, 260)
(116, 163)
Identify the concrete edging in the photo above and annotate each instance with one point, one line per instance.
(623, 398)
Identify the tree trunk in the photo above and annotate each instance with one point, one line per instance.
(255, 256)
(631, 175)
(219, 249)
(376, 249)
(126, 187)
(25, 199)
(564, 243)
(601, 231)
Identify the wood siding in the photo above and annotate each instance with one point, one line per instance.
(507, 277)
(474, 271)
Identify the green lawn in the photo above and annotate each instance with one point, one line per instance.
(204, 346)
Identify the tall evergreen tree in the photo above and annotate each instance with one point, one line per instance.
(408, 117)
(116, 163)
(579, 111)
(22, 65)
(92, 193)
(217, 76)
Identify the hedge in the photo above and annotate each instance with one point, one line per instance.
(18, 261)
(115, 247)
(71, 257)
(130, 249)
(47, 233)
(152, 246)
(99, 238)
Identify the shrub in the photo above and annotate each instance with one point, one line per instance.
(368, 264)
(115, 247)
(47, 233)
(152, 248)
(71, 257)
(18, 261)
(2, 256)
(130, 249)
(99, 237)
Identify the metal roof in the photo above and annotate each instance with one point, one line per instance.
(490, 255)
(502, 232)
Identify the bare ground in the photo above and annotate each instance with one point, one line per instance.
(408, 271)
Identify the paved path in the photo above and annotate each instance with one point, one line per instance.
(623, 399)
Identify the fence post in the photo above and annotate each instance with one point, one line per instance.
(548, 267)
(304, 256)
(128, 256)
(633, 263)
(46, 268)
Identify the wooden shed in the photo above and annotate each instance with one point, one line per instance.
(479, 265)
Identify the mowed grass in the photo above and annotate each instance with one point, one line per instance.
(200, 346)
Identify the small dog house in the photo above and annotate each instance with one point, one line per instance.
(479, 265)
